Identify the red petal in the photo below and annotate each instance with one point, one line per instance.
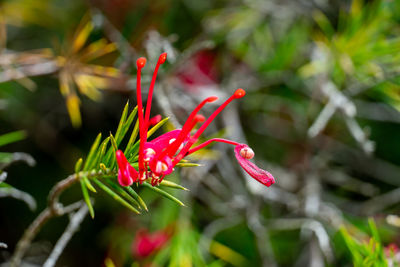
(123, 178)
(260, 175)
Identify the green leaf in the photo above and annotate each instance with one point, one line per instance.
(5, 157)
(163, 193)
(102, 151)
(156, 127)
(115, 196)
(87, 198)
(78, 165)
(126, 126)
(136, 196)
(122, 121)
(92, 153)
(188, 164)
(172, 185)
(114, 148)
(5, 185)
(374, 230)
(122, 192)
(132, 139)
(113, 143)
(89, 185)
(12, 137)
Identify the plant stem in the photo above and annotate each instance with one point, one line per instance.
(54, 209)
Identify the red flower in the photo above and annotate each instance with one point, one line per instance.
(157, 158)
(391, 249)
(146, 243)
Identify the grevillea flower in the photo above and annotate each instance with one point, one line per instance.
(157, 158)
(146, 243)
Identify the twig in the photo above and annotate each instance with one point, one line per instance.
(380, 202)
(19, 156)
(20, 195)
(3, 176)
(54, 209)
(128, 53)
(29, 70)
(261, 233)
(75, 221)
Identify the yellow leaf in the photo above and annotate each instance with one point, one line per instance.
(81, 37)
(73, 104)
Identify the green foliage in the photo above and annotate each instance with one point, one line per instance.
(366, 253)
(101, 160)
(11, 137)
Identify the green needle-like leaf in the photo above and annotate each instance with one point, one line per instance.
(163, 193)
(89, 185)
(114, 148)
(136, 196)
(78, 165)
(156, 127)
(132, 139)
(92, 152)
(122, 192)
(102, 151)
(167, 183)
(188, 164)
(115, 196)
(122, 121)
(87, 198)
(126, 126)
(12, 137)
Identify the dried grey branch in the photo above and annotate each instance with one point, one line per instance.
(73, 226)
(20, 195)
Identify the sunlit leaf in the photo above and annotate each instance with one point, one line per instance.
(163, 193)
(115, 196)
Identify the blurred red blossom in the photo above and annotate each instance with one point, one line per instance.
(146, 243)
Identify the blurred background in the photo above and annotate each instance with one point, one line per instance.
(321, 113)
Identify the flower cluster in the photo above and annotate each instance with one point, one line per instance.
(157, 158)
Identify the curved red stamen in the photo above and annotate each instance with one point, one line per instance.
(238, 94)
(188, 126)
(160, 61)
(206, 143)
(140, 63)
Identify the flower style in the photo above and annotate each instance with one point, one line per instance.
(157, 158)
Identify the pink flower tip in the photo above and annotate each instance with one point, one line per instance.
(239, 93)
(126, 173)
(243, 153)
(140, 62)
(162, 58)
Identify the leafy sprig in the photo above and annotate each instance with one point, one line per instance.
(101, 158)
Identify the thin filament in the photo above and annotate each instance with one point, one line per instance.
(238, 94)
(160, 61)
(187, 127)
(140, 64)
(206, 143)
